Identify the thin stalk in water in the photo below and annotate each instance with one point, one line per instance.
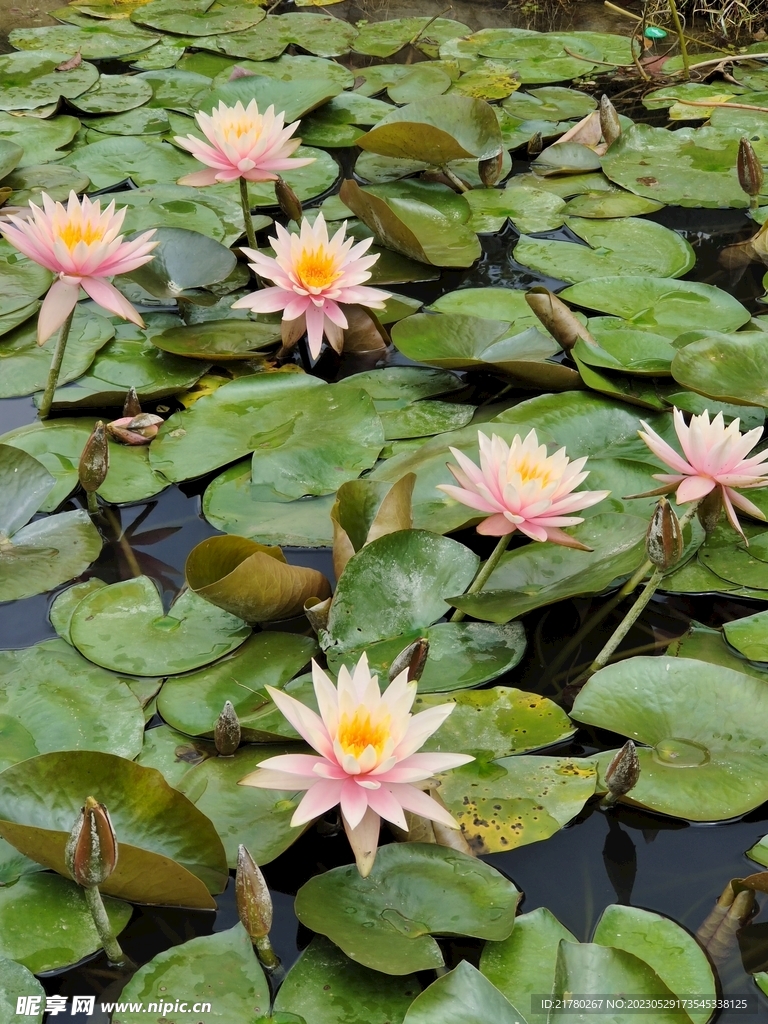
(106, 936)
(482, 577)
(55, 370)
(245, 202)
(681, 38)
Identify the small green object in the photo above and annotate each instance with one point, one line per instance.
(654, 32)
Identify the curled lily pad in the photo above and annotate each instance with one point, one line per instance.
(45, 924)
(386, 921)
(123, 627)
(397, 584)
(30, 79)
(61, 702)
(730, 367)
(365, 510)
(504, 804)
(674, 705)
(219, 969)
(192, 702)
(461, 654)
(218, 340)
(251, 581)
(47, 552)
(323, 983)
(178, 865)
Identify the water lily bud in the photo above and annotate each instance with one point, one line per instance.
(317, 612)
(709, 510)
(610, 125)
(559, 320)
(490, 169)
(287, 200)
(535, 144)
(413, 658)
(750, 170)
(254, 903)
(226, 732)
(91, 850)
(622, 773)
(94, 462)
(664, 540)
(131, 405)
(138, 429)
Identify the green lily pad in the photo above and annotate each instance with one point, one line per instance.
(413, 228)
(192, 703)
(95, 41)
(17, 983)
(705, 644)
(115, 158)
(422, 80)
(29, 182)
(550, 103)
(41, 555)
(568, 185)
(141, 121)
(114, 94)
(218, 340)
(307, 182)
(182, 262)
(259, 819)
(325, 986)
(659, 305)
(58, 444)
(675, 706)
(566, 158)
(228, 506)
(628, 351)
(759, 853)
(64, 703)
(749, 635)
(30, 79)
(397, 584)
(172, 753)
(601, 205)
(730, 367)
(39, 139)
(437, 131)
(123, 627)
(385, 38)
(178, 865)
(381, 169)
(224, 426)
(517, 800)
(541, 57)
(626, 246)
(20, 283)
(286, 68)
(687, 167)
(185, 20)
(463, 996)
(176, 206)
(322, 35)
(386, 921)
(528, 209)
(220, 970)
(487, 80)
(461, 654)
(46, 925)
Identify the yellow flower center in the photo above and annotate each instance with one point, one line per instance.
(532, 469)
(74, 231)
(317, 269)
(240, 127)
(356, 732)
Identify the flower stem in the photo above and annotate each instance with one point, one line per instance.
(103, 927)
(681, 37)
(55, 370)
(245, 202)
(266, 953)
(93, 504)
(454, 179)
(482, 577)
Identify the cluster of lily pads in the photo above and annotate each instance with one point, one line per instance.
(415, 155)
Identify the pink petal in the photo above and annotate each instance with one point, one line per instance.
(286, 782)
(496, 526)
(663, 451)
(306, 723)
(364, 839)
(57, 305)
(354, 801)
(324, 795)
(266, 300)
(693, 488)
(109, 298)
(412, 799)
(315, 330)
(384, 804)
(197, 178)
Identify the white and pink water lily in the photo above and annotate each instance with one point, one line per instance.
(242, 143)
(82, 245)
(314, 277)
(367, 761)
(520, 487)
(714, 456)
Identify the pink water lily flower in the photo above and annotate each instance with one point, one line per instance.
(313, 277)
(520, 487)
(83, 246)
(366, 743)
(715, 457)
(243, 144)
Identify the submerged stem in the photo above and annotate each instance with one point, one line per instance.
(55, 370)
(103, 927)
(245, 202)
(482, 577)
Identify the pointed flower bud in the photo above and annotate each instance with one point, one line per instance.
(622, 773)
(287, 200)
(750, 170)
(226, 733)
(610, 125)
(664, 540)
(490, 169)
(94, 462)
(91, 850)
(131, 405)
(254, 903)
(413, 658)
(138, 429)
(710, 509)
(535, 144)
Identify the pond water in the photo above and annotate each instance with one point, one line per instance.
(623, 855)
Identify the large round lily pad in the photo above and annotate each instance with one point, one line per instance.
(95, 41)
(39, 139)
(691, 767)
(115, 158)
(218, 340)
(386, 921)
(30, 79)
(731, 367)
(45, 925)
(123, 627)
(179, 864)
(220, 970)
